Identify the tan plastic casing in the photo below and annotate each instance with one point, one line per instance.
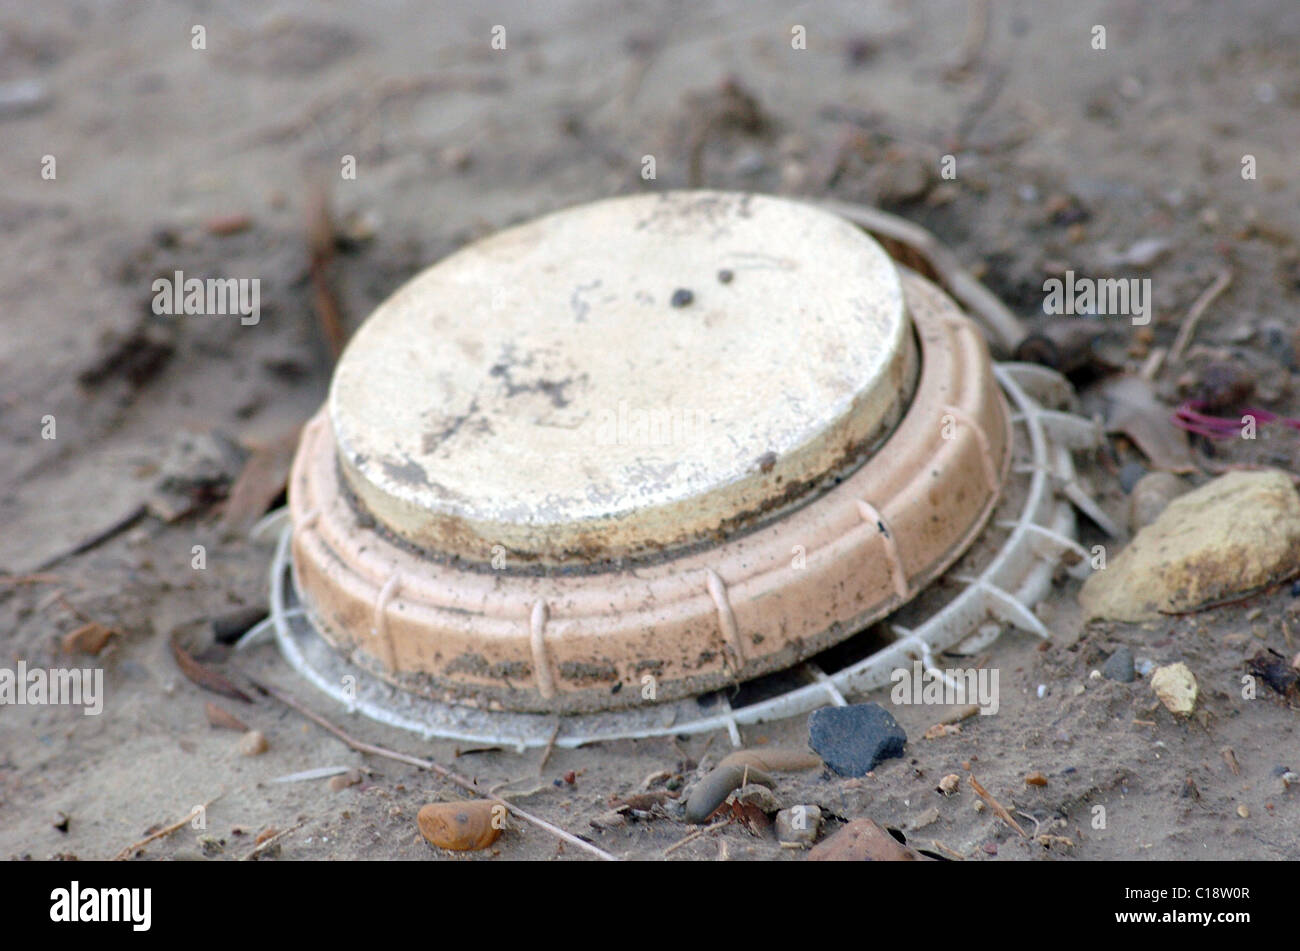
(488, 410)
(681, 624)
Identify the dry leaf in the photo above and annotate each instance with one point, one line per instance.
(203, 676)
(87, 639)
(750, 816)
(223, 720)
(260, 482)
(1132, 409)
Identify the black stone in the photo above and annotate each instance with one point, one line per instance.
(1119, 666)
(853, 740)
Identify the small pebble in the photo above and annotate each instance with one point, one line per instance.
(758, 795)
(948, 785)
(1119, 666)
(344, 780)
(253, 743)
(1035, 779)
(682, 297)
(1176, 688)
(1243, 811)
(798, 825)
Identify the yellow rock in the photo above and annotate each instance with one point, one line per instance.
(1236, 534)
(1176, 688)
(461, 826)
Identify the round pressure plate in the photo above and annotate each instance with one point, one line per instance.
(638, 450)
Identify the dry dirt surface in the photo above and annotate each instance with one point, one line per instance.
(1124, 160)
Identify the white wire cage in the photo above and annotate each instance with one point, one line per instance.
(1040, 534)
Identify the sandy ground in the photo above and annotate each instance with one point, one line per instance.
(1066, 156)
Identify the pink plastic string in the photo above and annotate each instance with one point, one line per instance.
(1189, 417)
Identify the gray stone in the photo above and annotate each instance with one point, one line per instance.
(1119, 666)
(852, 740)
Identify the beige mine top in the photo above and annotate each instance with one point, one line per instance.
(623, 378)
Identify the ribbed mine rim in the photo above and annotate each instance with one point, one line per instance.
(993, 586)
(661, 631)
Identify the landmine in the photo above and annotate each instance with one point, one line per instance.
(473, 525)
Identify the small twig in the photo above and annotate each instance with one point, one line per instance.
(977, 31)
(1199, 306)
(363, 747)
(957, 714)
(955, 854)
(550, 745)
(131, 849)
(1037, 823)
(258, 850)
(1154, 361)
(697, 833)
(998, 809)
(30, 579)
(97, 539)
(971, 117)
(321, 772)
(320, 245)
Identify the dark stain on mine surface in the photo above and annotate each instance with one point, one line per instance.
(581, 673)
(477, 665)
(408, 471)
(579, 306)
(552, 389)
(435, 438)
